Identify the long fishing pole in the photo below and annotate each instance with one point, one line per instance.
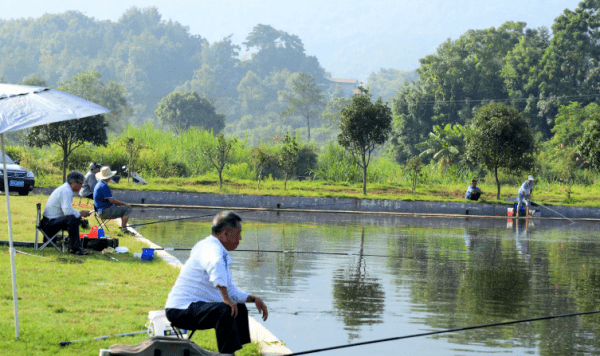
(284, 251)
(65, 343)
(554, 211)
(442, 332)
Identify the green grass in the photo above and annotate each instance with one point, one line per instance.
(66, 297)
(544, 193)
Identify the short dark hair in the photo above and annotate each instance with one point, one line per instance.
(225, 219)
(75, 176)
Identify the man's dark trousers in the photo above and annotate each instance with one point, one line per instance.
(231, 332)
(67, 222)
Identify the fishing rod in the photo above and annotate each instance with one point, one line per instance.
(292, 252)
(554, 211)
(442, 332)
(65, 343)
(237, 210)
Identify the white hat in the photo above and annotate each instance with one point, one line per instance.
(105, 173)
(530, 178)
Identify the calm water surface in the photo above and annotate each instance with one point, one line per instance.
(402, 276)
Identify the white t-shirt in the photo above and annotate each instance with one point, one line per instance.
(207, 268)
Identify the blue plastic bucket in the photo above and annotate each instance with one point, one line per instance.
(147, 254)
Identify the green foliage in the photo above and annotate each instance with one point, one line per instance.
(414, 168)
(72, 134)
(363, 126)
(336, 165)
(589, 145)
(447, 145)
(262, 157)
(307, 162)
(288, 157)
(388, 82)
(304, 99)
(500, 138)
(180, 111)
(218, 153)
(567, 69)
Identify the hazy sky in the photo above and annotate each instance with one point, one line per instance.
(351, 38)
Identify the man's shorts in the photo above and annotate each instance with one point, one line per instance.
(114, 212)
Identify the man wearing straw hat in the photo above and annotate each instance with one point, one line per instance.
(204, 295)
(525, 195)
(106, 206)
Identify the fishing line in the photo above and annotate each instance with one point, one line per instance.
(442, 332)
(554, 211)
(238, 210)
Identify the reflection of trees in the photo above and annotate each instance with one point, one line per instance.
(359, 297)
(285, 261)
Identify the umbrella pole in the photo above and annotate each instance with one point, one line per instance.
(11, 248)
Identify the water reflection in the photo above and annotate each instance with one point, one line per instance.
(454, 274)
(358, 296)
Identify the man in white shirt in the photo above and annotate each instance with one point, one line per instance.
(204, 296)
(524, 195)
(60, 215)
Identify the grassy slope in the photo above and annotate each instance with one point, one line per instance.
(546, 194)
(67, 297)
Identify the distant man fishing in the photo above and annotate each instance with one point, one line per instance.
(524, 195)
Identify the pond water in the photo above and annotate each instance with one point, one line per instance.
(373, 277)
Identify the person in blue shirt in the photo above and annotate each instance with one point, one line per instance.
(473, 192)
(524, 195)
(105, 205)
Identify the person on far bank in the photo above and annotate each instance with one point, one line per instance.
(106, 206)
(90, 181)
(473, 192)
(524, 195)
(60, 215)
(204, 295)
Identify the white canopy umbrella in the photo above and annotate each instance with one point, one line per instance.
(23, 107)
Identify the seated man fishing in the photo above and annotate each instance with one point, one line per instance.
(60, 215)
(473, 192)
(90, 181)
(106, 206)
(524, 195)
(204, 296)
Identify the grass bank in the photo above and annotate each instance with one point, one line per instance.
(544, 193)
(66, 297)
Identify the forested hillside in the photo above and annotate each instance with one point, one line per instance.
(550, 76)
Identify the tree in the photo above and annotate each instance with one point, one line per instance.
(500, 138)
(69, 135)
(446, 145)
(218, 154)
(261, 157)
(589, 145)
(363, 126)
(305, 99)
(180, 111)
(568, 68)
(288, 157)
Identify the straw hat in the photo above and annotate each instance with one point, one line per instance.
(105, 173)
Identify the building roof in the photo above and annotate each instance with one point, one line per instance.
(342, 80)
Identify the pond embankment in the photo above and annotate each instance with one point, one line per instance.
(353, 205)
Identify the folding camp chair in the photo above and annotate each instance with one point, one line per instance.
(101, 222)
(50, 240)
